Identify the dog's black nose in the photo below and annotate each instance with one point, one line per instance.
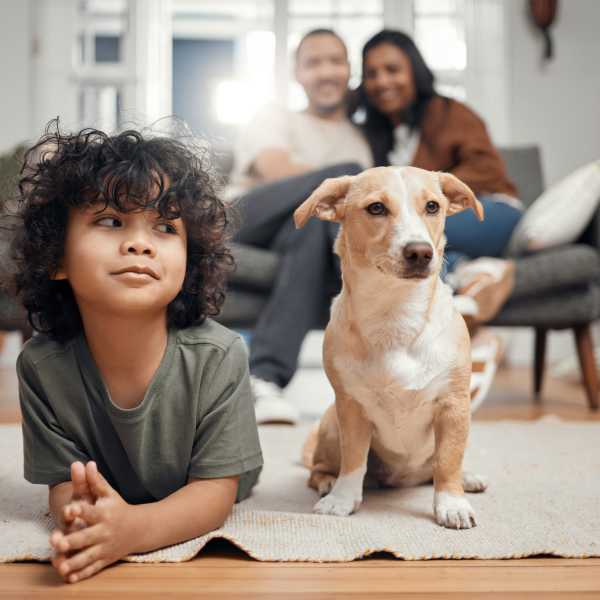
(418, 254)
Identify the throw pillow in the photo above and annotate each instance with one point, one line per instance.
(560, 214)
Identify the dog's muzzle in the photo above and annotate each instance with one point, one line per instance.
(416, 258)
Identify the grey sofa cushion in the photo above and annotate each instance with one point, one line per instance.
(556, 269)
(559, 310)
(242, 308)
(524, 166)
(255, 267)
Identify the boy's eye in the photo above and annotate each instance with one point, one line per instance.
(109, 222)
(166, 228)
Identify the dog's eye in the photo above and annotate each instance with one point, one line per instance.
(377, 209)
(432, 207)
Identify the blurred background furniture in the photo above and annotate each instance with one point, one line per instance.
(12, 315)
(555, 289)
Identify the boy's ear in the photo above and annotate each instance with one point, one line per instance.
(59, 274)
(326, 202)
(460, 195)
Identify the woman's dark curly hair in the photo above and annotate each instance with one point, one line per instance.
(128, 172)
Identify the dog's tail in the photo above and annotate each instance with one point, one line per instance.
(310, 445)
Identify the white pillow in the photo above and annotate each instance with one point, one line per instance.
(561, 213)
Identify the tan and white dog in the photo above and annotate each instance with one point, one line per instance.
(396, 351)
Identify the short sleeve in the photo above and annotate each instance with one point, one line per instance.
(226, 440)
(48, 452)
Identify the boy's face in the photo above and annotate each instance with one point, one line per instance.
(123, 263)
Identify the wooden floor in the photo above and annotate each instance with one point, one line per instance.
(225, 572)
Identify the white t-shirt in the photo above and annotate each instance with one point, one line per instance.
(405, 147)
(309, 140)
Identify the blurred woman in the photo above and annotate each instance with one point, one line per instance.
(408, 123)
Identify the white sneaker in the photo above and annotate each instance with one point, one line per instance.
(269, 404)
(486, 353)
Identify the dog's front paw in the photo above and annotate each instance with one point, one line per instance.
(338, 505)
(453, 511)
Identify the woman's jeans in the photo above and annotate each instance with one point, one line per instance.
(470, 238)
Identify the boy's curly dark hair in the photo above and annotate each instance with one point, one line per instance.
(124, 171)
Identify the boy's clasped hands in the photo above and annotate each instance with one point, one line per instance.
(98, 527)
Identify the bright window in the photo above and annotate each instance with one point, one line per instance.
(439, 27)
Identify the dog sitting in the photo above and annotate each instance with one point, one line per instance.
(396, 351)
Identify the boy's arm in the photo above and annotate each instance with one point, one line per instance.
(195, 509)
(58, 497)
(116, 528)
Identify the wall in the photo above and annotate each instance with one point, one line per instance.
(15, 45)
(556, 105)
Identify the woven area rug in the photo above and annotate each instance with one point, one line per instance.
(544, 498)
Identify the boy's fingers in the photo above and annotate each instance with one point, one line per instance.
(98, 485)
(80, 560)
(81, 488)
(84, 512)
(87, 572)
(73, 516)
(55, 537)
(71, 511)
(77, 524)
(58, 560)
(81, 539)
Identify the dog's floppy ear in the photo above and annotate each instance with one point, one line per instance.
(324, 202)
(459, 195)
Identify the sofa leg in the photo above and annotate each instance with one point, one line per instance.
(587, 362)
(541, 335)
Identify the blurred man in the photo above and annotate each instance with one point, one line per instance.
(279, 143)
(280, 158)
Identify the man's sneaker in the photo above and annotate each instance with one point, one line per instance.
(269, 404)
(488, 282)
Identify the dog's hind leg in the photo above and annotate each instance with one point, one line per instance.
(321, 481)
(474, 483)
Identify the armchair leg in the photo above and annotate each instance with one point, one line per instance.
(541, 335)
(587, 362)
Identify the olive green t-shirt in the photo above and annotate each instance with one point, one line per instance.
(196, 420)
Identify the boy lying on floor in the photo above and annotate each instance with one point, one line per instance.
(136, 407)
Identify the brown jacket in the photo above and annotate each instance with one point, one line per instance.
(454, 139)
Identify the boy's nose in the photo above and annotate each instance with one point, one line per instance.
(138, 247)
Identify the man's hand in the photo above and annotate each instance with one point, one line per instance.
(108, 535)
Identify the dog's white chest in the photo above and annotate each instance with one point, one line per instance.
(415, 371)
